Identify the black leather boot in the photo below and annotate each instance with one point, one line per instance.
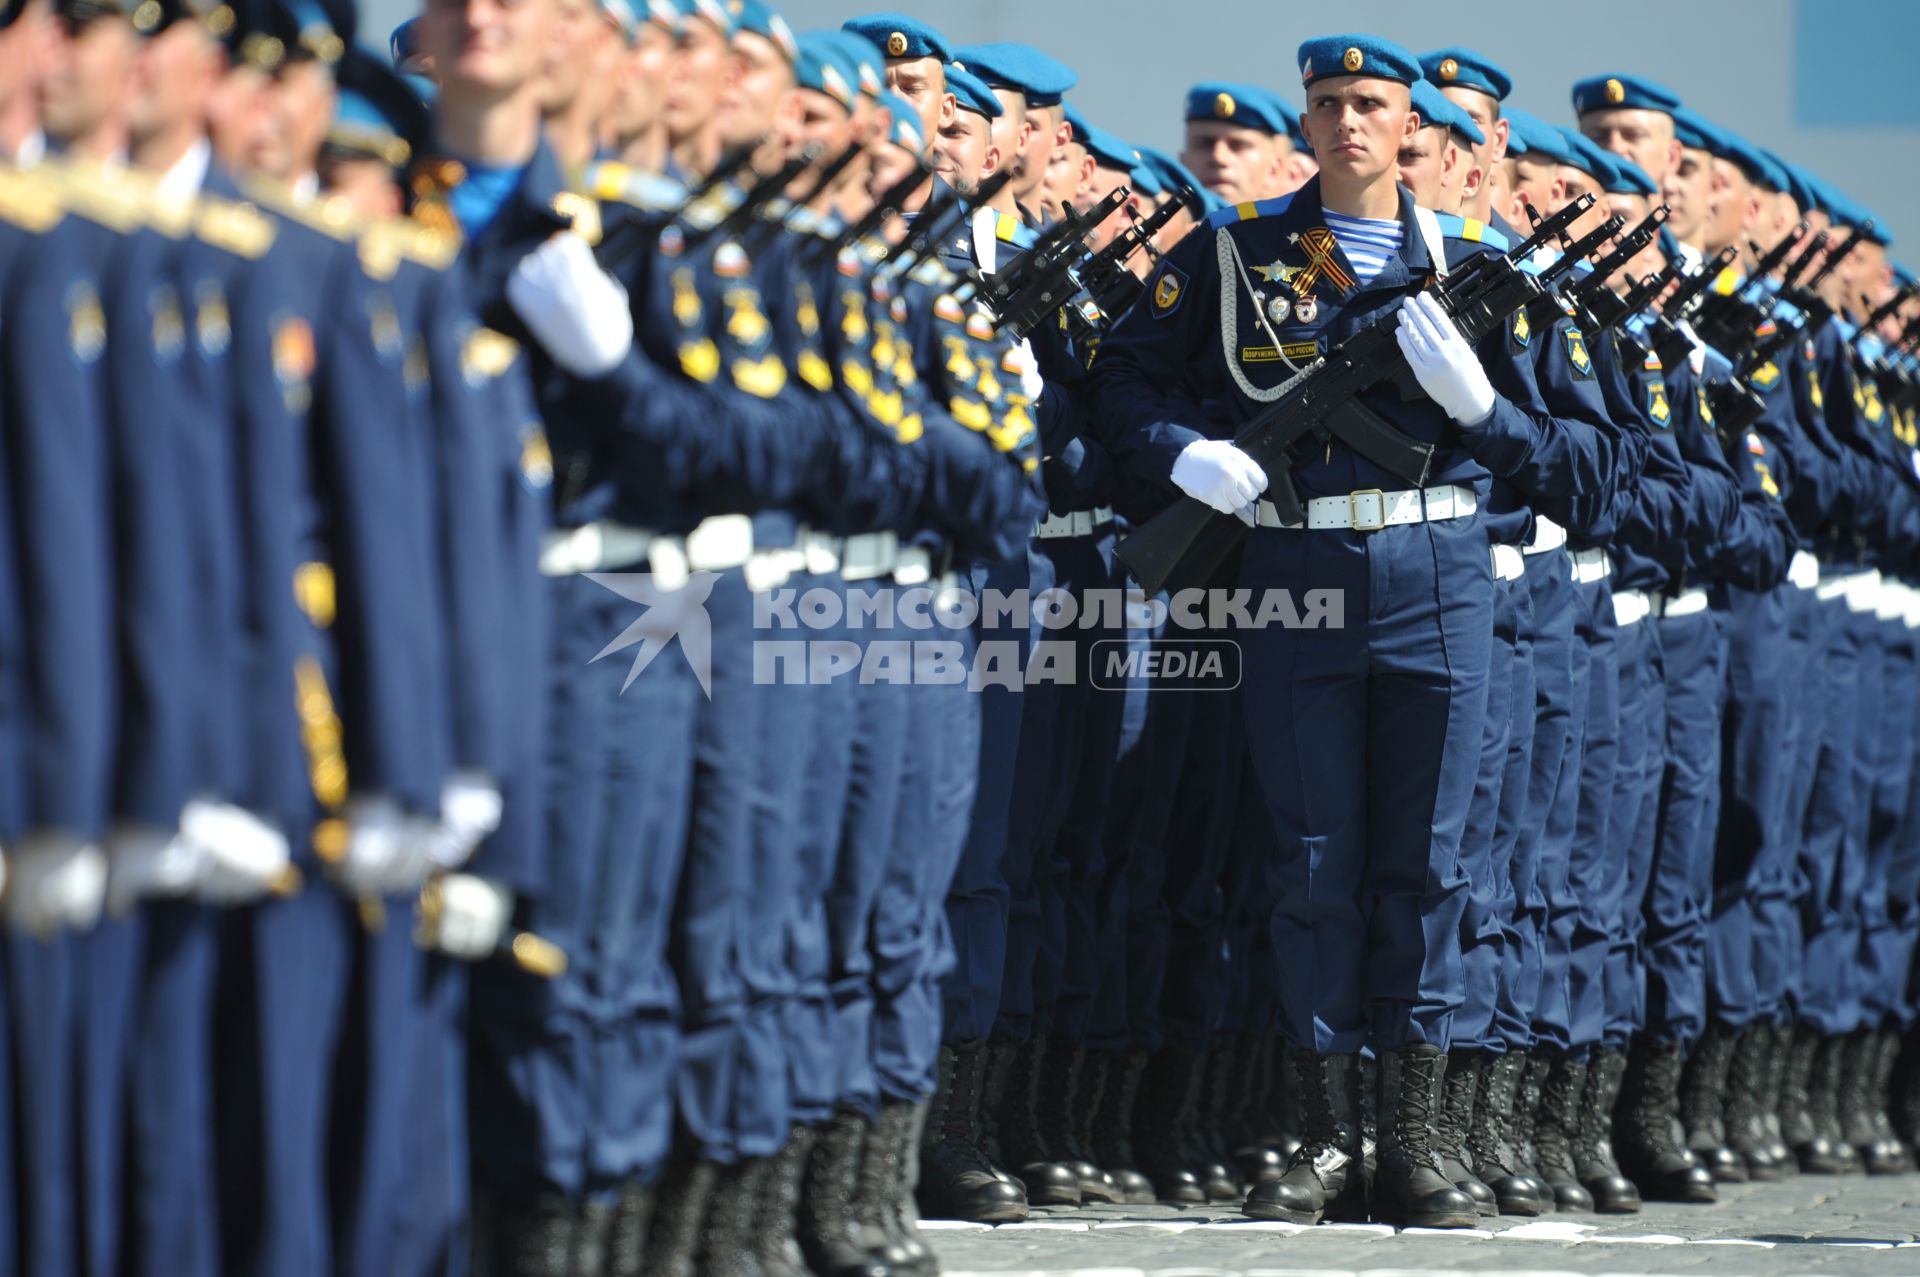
(1285, 1108)
(1593, 1160)
(876, 1188)
(1408, 1187)
(957, 1181)
(1526, 1111)
(903, 1218)
(1168, 1092)
(1811, 1150)
(1555, 1126)
(1254, 1152)
(1644, 1124)
(1860, 1100)
(1326, 1176)
(1777, 1040)
(1886, 1061)
(1744, 1113)
(1059, 1098)
(525, 1239)
(1017, 1119)
(1450, 1132)
(1704, 1104)
(627, 1234)
(593, 1235)
(679, 1211)
(727, 1246)
(774, 1239)
(1830, 1153)
(1110, 1133)
(1488, 1146)
(1205, 1137)
(1906, 1089)
(827, 1229)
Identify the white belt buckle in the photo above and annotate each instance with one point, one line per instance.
(721, 541)
(667, 562)
(912, 566)
(1353, 509)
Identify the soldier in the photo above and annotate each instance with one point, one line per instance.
(1238, 141)
(1030, 86)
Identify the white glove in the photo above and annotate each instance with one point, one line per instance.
(377, 834)
(470, 810)
(473, 916)
(576, 310)
(1442, 362)
(1031, 383)
(144, 862)
(426, 845)
(1217, 473)
(58, 881)
(244, 856)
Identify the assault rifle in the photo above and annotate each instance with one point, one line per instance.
(1038, 281)
(627, 238)
(890, 204)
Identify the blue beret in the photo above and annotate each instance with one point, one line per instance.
(1245, 105)
(823, 66)
(972, 93)
(898, 36)
(1174, 176)
(1289, 117)
(1605, 92)
(1436, 112)
(1629, 178)
(1586, 156)
(1143, 177)
(323, 34)
(377, 114)
(1536, 137)
(1745, 155)
(904, 132)
(1042, 79)
(863, 57)
(1902, 277)
(402, 45)
(712, 10)
(1334, 55)
(758, 17)
(1694, 130)
(1109, 151)
(1797, 184)
(621, 14)
(1458, 68)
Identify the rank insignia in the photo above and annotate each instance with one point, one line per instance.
(1577, 355)
(1279, 309)
(1168, 290)
(1278, 273)
(86, 323)
(1522, 329)
(1658, 410)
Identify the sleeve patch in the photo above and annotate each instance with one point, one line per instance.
(1168, 290)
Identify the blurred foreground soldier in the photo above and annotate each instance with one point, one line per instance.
(1238, 141)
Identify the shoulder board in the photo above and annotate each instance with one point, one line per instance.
(240, 229)
(1247, 212)
(1727, 280)
(29, 203)
(486, 354)
(707, 212)
(1785, 310)
(392, 240)
(113, 202)
(1005, 227)
(331, 217)
(1474, 232)
(652, 192)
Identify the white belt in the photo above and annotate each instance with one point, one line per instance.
(1912, 618)
(1893, 601)
(912, 566)
(821, 552)
(1591, 565)
(593, 547)
(1630, 607)
(1077, 524)
(1508, 563)
(720, 542)
(1371, 509)
(1804, 570)
(1686, 603)
(868, 555)
(1863, 591)
(770, 569)
(1547, 535)
(1833, 587)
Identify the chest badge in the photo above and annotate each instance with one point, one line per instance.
(1306, 310)
(1278, 309)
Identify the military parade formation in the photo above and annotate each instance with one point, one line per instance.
(586, 611)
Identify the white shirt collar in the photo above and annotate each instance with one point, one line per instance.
(184, 178)
(307, 188)
(32, 150)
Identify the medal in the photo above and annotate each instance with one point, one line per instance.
(1306, 310)
(1278, 309)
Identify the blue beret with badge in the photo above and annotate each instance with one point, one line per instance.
(1327, 56)
(898, 36)
(758, 18)
(1629, 178)
(1042, 79)
(1609, 92)
(1538, 139)
(1244, 105)
(1438, 113)
(904, 132)
(971, 93)
(1109, 151)
(1458, 68)
(713, 11)
(821, 64)
(868, 63)
(1587, 156)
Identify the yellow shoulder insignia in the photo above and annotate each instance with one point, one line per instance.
(700, 359)
(332, 217)
(486, 354)
(240, 229)
(29, 203)
(762, 378)
(1004, 227)
(114, 203)
(815, 371)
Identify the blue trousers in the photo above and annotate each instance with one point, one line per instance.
(1560, 669)
(1881, 966)
(1679, 895)
(1516, 842)
(1636, 796)
(1592, 859)
(1487, 934)
(1366, 739)
(1149, 922)
(575, 1074)
(1028, 801)
(1829, 864)
(43, 1010)
(913, 949)
(1199, 842)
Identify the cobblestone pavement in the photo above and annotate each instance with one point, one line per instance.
(1853, 1226)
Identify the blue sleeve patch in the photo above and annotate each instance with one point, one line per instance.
(1169, 290)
